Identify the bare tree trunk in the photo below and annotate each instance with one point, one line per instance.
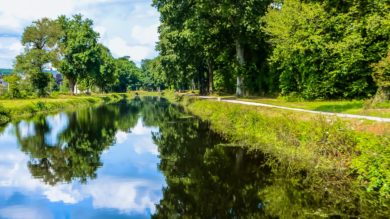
(72, 86)
(241, 62)
(210, 77)
(193, 84)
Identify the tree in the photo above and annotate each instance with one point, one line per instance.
(127, 75)
(324, 49)
(381, 76)
(40, 42)
(201, 39)
(154, 76)
(105, 76)
(13, 81)
(78, 49)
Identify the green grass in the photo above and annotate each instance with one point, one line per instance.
(356, 107)
(17, 108)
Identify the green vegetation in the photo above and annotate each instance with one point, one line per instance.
(316, 49)
(12, 109)
(329, 148)
(357, 107)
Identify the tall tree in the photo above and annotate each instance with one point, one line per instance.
(201, 38)
(40, 42)
(324, 49)
(105, 76)
(79, 50)
(127, 75)
(154, 76)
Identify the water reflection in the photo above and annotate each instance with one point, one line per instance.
(148, 158)
(95, 162)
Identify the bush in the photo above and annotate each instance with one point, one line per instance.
(4, 115)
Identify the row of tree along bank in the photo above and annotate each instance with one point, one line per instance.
(71, 46)
(314, 49)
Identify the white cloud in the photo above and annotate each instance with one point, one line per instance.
(119, 47)
(16, 47)
(145, 35)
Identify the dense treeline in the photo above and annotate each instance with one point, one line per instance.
(71, 46)
(313, 49)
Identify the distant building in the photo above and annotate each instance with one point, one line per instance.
(4, 72)
(2, 82)
(57, 75)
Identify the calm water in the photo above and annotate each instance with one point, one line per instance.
(147, 158)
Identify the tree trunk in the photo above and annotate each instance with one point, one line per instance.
(210, 77)
(241, 62)
(72, 85)
(383, 94)
(239, 160)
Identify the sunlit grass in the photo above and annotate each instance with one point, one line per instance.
(356, 107)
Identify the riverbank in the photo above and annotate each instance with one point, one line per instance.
(20, 108)
(335, 149)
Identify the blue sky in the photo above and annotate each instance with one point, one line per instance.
(126, 27)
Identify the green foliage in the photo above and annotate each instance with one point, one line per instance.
(14, 88)
(322, 52)
(104, 78)
(79, 48)
(373, 164)
(199, 41)
(128, 76)
(153, 75)
(4, 115)
(40, 41)
(381, 72)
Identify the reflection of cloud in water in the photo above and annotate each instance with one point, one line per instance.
(121, 137)
(64, 193)
(21, 212)
(142, 143)
(140, 129)
(57, 125)
(124, 194)
(8, 135)
(27, 129)
(128, 194)
(145, 145)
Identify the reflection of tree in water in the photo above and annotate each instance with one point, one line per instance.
(76, 153)
(205, 180)
(208, 180)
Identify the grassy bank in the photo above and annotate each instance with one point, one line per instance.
(356, 107)
(18, 108)
(330, 147)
